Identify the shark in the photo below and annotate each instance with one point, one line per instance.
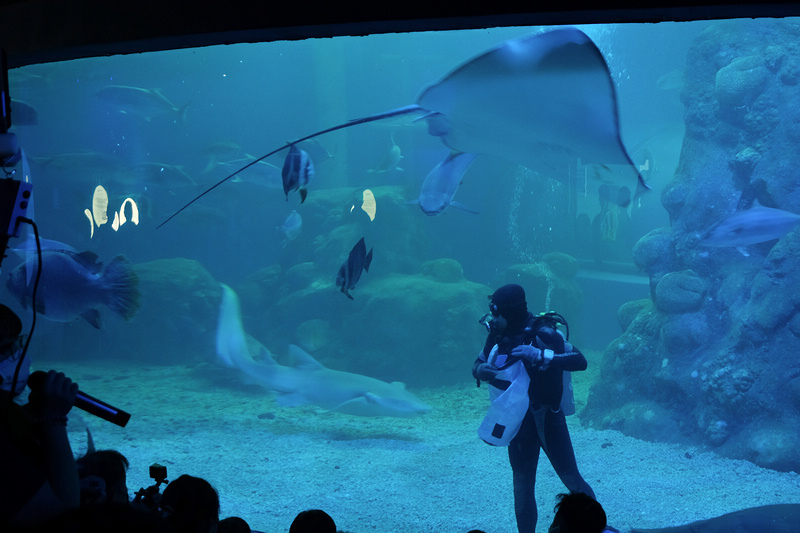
(307, 381)
(750, 226)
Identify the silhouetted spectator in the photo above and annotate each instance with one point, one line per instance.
(233, 524)
(579, 513)
(103, 475)
(111, 518)
(313, 521)
(191, 505)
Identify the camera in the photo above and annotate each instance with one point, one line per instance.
(150, 498)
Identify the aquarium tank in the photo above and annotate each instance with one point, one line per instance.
(294, 316)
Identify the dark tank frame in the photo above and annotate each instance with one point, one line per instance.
(40, 31)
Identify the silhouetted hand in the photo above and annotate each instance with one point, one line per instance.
(55, 397)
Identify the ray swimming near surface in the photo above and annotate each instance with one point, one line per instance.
(544, 101)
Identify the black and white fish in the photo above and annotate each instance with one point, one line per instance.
(350, 271)
(75, 284)
(298, 169)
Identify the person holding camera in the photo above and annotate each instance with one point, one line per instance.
(524, 361)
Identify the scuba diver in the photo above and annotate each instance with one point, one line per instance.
(524, 361)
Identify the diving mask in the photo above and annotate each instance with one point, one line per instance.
(495, 325)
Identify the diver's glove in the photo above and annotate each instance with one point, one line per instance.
(529, 354)
(485, 372)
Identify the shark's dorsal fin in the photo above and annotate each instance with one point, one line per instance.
(302, 359)
(264, 356)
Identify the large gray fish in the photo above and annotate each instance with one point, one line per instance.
(350, 271)
(145, 103)
(751, 226)
(442, 182)
(85, 162)
(297, 172)
(75, 284)
(262, 173)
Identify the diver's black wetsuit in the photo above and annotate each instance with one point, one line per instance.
(544, 425)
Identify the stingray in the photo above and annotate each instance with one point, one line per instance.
(546, 101)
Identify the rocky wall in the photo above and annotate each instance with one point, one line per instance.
(711, 358)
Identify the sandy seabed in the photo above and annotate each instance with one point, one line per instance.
(424, 474)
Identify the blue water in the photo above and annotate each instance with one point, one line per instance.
(259, 96)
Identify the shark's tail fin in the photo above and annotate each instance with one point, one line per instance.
(231, 340)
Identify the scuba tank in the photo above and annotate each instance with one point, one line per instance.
(551, 321)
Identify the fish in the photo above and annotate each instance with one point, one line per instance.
(671, 81)
(144, 103)
(307, 381)
(441, 183)
(23, 113)
(545, 101)
(291, 227)
(29, 245)
(262, 173)
(390, 162)
(350, 271)
(155, 174)
(750, 226)
(368, 204)
(315, 150)
(220, 151)
(19, 78)
(74, 285)
(298, 169)
(84, 162)
(780, 518)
